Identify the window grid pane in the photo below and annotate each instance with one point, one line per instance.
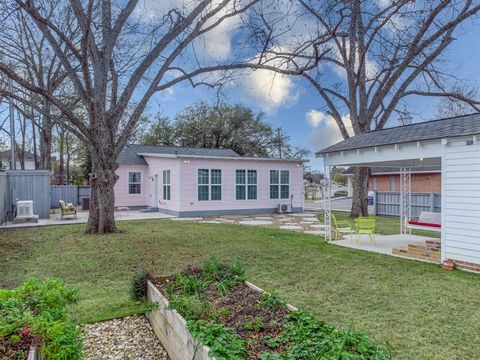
(216, 176)
(284, 191)
(274, 177)
(134, 189)
(203, 176)
(240, 177)
(252, 177)
(240, 192)
(203, 193)
(134, 177)
(252, 192)
(285, 177)
(273, 191)
(216, 192)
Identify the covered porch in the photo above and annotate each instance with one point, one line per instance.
(410, 240)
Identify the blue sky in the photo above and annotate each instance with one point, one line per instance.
(290, 103)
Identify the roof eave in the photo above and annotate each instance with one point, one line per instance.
(238, 158)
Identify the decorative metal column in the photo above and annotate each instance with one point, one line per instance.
(405, 199)
(327, 205)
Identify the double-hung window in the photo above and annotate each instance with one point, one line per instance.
(166, 185)
(279, 184)
(246, 184)
(209, 184)
(134, 183)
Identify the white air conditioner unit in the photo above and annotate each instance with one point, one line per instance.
(284, 208)
(25, 209)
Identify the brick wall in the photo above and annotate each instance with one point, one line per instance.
(427, 182)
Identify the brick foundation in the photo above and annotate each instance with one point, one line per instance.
(465, 265)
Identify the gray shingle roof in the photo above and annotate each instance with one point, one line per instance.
(129, 154)
(395, 170)
(435, 129)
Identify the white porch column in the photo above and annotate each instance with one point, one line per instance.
(405, 199)
(327, 204)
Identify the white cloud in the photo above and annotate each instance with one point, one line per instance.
(269, 90)
(215, 44)
(325, 130)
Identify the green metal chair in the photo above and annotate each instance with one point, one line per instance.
(365, 226)
(341, 227)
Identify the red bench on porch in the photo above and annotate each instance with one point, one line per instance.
(427, 221)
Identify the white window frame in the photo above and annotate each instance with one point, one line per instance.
(210, 185)
(167, 185)
(246, 185)
(134, 183)
(279, 184)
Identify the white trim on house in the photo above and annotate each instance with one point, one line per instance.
(237, 158)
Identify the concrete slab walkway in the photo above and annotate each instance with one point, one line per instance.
(82, 217)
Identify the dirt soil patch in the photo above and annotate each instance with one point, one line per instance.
(240, 311)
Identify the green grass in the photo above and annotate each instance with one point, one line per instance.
(387, 225)
(422, 311)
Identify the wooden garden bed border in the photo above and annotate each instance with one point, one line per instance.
(171, 328)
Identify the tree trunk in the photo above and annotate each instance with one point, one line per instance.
(102, 197)
(360, 192)
(61, 154)
(46, 140)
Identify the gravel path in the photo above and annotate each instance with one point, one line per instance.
(122, 339)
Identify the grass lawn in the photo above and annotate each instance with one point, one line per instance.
(387, 225)
(422, 311)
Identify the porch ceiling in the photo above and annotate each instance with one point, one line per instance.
(412, 154)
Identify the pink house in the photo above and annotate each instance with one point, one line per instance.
(190, 182)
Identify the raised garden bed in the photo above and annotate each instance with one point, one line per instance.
(213, 313)
(34, 324)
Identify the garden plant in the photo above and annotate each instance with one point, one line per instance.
(238, 322)
(34, 314)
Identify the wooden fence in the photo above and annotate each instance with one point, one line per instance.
(68, 193)
(388, 203)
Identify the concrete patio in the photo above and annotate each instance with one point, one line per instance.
(384, 243)
(82, 217)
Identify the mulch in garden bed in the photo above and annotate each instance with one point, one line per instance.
(17, 349)
(240, 311)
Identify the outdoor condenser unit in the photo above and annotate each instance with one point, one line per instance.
(284, 208)
(25, 209)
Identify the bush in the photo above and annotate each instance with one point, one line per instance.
(138, 286)
(37, 308)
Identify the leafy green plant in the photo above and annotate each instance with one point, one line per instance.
(38, 307)
(138, 286)
(256, 325)
(271, 302)
(222, 341)
(190, 307)
(305, 337)
(190, 284)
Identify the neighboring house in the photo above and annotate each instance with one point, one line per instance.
(424, 179)
(5, 160)
(190, 181)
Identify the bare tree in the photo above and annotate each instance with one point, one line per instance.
(449, 107)
(381, 53)
(29, 51)
(116, 64)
